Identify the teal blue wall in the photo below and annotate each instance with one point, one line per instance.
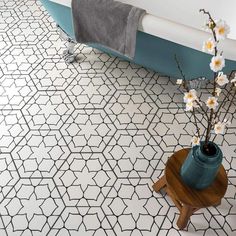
(152, 52)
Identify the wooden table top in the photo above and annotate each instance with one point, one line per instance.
(191, 197)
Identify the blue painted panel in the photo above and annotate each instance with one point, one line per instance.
(61, 14)
(152, 52)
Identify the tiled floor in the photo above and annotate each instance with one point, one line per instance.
(82, 144)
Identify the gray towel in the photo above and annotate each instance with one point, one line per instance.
(107, 22)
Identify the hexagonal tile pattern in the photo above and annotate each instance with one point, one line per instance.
(164, 92)
(170, 129)
(133, 209)
(40, 154)
(31, 208)
(5, 4)
(85, 179)
(90, 91)
(53, 74)
(30, 32)
(2, 229)
(92, 60)
(125, 75)
(15, 91)
(26, 9)
(133, 154)
(51, 45)
(131, 109)
(8, 175)
(20, 59)
(5, 43)
(12, 129)
(81, 144)
(88, 131)
(48, 110)
(87, 221)
(8, 18)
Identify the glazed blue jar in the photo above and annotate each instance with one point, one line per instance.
(199, 169)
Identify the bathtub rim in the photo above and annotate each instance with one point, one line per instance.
(184, 35)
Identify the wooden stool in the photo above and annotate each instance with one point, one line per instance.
(186, 199)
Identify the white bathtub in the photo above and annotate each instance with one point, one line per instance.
(179, 21)
(169, 27)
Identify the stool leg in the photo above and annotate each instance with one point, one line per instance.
(159, 184)
(185, 214)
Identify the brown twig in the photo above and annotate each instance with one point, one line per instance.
(222, 103)
(211, 26)
(195, 121)
(226, 97)
(227, 111)
(187, 89)
(182, 73)
(199, 104)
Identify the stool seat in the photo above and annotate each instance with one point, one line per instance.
(186, 199)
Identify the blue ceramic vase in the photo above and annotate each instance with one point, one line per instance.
(199, 170)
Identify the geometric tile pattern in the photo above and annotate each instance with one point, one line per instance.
(48, 110)
(85, 179)
(16, 91)
(81, 144)
(129, 208)
(8, 175)
(31, 208)
(92, 61)
(13, 128)
(164, 92)
(90, 91)
(125, 75)
(133, 154)
(130, 109)
(88, 130)
(4, 43)
(40, 154)
(20, 59)
(53, 75)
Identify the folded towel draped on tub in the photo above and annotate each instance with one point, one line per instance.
(107, 22)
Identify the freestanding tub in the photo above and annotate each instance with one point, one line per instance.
(169, 28)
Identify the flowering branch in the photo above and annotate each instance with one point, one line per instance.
(226, 97)
(195, 121)
(187, 89)
(219, 30)
(199, 104)
(212, 26)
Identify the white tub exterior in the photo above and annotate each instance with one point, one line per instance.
(180, 21)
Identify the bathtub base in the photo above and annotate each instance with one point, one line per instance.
(152, 52)
(69, 53)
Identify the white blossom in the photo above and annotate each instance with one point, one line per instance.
(217, 63)
(179, 81)
(212, 103)
(221, 29)
(195, 140)
(189, 106)
(222, 79)
(190, 96)
(209, 45)
(219, 128)
(218, 91)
